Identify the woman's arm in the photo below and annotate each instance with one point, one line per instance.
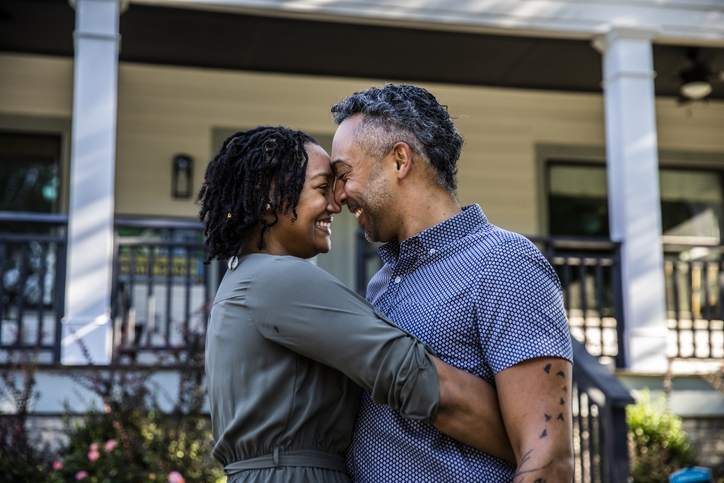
(469, 412)
(305, 309)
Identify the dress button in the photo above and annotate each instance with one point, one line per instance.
(432, 251)
(397, 279)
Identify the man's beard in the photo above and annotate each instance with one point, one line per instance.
(375, 206)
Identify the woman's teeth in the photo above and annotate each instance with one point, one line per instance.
(324, 226)
(357, 213)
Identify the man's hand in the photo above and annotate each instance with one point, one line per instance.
(535, 399)
(469, 412)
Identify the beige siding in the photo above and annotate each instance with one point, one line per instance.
(168, 110)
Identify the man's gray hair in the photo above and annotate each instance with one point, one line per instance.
(403, 112)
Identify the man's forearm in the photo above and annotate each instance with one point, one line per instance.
(535, 397)
(469, 412)
(537, 465)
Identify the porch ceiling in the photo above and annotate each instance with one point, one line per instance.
(175, 36)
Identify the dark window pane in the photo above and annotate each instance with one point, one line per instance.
(29, 172)
(692, 201)
(577, 203)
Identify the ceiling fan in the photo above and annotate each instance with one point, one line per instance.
(697, 78)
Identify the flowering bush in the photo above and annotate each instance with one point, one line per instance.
(132, 445)
(129, 440)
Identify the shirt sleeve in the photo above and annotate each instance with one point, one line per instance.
(520, 308)
(308, 311)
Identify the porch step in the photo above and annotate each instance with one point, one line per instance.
(691, 396)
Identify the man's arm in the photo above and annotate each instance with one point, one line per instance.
(469, 412)
(535, 397)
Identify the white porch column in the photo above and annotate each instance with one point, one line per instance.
(633, 193)
(90, 212)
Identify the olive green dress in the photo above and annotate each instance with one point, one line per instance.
(287, 350)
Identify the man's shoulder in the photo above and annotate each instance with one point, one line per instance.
(493, 242)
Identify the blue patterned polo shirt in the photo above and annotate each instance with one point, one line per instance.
(484, 299)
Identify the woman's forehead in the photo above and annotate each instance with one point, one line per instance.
(319, 163)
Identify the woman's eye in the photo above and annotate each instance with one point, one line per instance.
(323, 187)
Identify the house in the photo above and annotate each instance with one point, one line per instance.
(593, 127)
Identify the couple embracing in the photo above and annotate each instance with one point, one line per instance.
(456, 368)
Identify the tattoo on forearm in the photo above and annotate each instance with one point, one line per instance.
(561, 402)
(518, 477)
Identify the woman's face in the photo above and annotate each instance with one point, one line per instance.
(311, 233)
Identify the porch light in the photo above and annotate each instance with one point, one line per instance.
(181, 177)
(695, 79)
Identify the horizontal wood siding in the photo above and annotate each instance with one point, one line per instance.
(168, 110)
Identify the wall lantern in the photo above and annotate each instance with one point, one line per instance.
(182, 176)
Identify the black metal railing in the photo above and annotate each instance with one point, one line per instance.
(589, 271)
(695, 300)
(162, 288)
(600, 432)
(32, 283)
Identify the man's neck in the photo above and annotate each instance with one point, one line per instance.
(426, 210)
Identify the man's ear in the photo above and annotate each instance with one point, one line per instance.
(402, 156)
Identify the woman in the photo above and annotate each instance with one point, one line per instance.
(288, 346)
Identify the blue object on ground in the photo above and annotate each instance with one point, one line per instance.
(695, 474)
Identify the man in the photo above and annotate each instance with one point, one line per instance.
(484, 299)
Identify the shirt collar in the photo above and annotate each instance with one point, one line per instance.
(469, 220)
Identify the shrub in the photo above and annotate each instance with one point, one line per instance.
(659, 445)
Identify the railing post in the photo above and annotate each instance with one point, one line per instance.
(615, 442)
(59, 295)
(618, 308)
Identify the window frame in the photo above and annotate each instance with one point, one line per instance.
(588, 155)
(57, 126)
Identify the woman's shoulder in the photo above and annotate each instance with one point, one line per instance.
(282, 269)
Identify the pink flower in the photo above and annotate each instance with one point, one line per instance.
(93, 455)
(110, 445)
(81, 475)
(57, 465)
(175, 477)
(93, 447)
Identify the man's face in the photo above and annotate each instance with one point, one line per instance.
(362, 183)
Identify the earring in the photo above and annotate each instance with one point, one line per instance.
(233, 263)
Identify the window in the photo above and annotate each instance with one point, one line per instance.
(692, 201)
(30, 174)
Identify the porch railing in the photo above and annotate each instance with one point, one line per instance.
(32, 284)
(162, 289)
(589, 271)
(695, 300)
(600, 441)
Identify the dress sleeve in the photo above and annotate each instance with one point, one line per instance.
(308, 311)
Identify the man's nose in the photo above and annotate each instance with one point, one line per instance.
(332, 205)
(340, 196)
